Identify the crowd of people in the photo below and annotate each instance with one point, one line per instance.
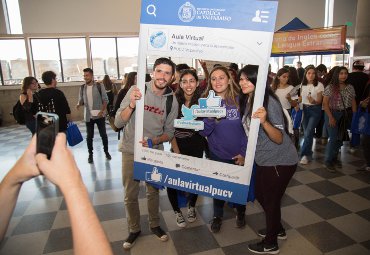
(323, 98)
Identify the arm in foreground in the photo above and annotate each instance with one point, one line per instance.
(61, 169)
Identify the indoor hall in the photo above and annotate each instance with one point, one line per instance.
(322, 212)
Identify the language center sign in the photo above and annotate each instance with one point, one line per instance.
(309, 40)
(239, 31)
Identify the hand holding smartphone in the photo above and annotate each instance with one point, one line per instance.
(47, 127)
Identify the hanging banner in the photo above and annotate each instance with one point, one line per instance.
(309, 40)
(239, 31)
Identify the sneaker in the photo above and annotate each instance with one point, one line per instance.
(180, 221)
(240, 220)
(108, 156)
(192, 216)
(130, 241)
(90, 159)
(367, 168)
(159, 233)
(352, 150)
(262, 248)
(216, 224)
(330, 167)
(304, 160)
(281, 235)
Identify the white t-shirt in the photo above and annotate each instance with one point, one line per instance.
(89, 95)
(281, 94)
(310, 88)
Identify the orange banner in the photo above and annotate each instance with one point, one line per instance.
(308, 40)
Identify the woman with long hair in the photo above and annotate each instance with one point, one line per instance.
(227, 141)
(111, 91)
(293, 76)
(276, 157)
(131, 79)
(311, 98)
(186, 141)
(281, 87)
(339, 99)
(27, 100)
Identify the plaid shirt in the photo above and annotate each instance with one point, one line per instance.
(335, 99)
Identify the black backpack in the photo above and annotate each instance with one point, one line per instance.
(18, 113)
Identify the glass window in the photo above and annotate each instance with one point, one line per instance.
(308, 60)
(45, 54)
(291, 61)
(128, 49)
(14, 17)
(274, 62)
(13, 61)
(74, 60)
(103, 52)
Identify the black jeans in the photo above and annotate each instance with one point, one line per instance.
(90, 133)
(271, 183)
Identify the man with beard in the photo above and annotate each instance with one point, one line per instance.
(158, 126)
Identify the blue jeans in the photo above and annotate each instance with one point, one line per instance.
(311, 117)
(218, 204)
(333, 146)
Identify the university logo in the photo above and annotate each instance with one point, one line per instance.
(186, 12)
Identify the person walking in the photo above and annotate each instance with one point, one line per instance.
(93, 97)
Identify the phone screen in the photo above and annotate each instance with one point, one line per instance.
(47, 127)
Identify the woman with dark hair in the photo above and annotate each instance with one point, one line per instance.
(311, 98)
(276, 157)
(130, 80)
(227, 141)
(339, 99)
(293, 76)
(27, 100)
(110, 88)
(186, 141)
(281, 88)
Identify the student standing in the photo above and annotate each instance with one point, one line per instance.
(226, 137)
(311, 98)
(53, 100)
(92, 95)
(339, 99)
(29, 101)
(159, 128)
(276, 157)
(186, 141)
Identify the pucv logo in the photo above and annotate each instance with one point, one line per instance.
(186, 12)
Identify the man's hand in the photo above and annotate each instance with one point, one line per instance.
(26, 167)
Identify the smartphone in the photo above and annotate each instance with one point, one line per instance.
(47, 128)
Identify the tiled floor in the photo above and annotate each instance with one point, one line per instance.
(324, 213)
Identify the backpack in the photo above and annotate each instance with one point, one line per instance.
(18, 113)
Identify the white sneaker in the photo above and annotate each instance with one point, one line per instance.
(367, 168)
(180, 221)
(304, 160)
(192, 216)
(352, 150)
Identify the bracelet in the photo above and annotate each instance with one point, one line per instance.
(132, 108)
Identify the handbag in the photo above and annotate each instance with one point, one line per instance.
(74, 136)
(361, 122)
(343, 125)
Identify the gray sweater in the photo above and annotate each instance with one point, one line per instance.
(156, 120)
(98, 99)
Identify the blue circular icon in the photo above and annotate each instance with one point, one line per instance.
(158, 39)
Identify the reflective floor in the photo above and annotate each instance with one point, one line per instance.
(323, 213)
